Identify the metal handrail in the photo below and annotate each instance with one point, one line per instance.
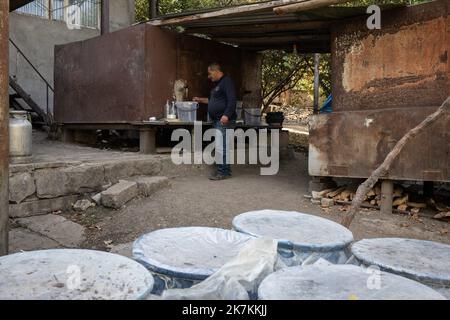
(31, 64)
(48, 85)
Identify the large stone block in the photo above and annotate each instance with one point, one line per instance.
(51, 183)
(149, 185)
(119, 194)
(116, 170)
(21, 186)
(41, 206)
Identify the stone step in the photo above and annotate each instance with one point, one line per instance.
(149, 185)
(119, 194)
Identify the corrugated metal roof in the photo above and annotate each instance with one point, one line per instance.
(264, 29)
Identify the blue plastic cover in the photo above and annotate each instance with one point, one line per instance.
(421, 260)
(327, 106)
(72, 274)
(341, 282)
(192, 253)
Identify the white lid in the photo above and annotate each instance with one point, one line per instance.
(341, 282)
(418, 259)
(294, 229)
(72, 274)
(191, 253)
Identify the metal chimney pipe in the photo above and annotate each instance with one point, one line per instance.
(104, 19)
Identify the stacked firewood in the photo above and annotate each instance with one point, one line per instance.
(403, 201)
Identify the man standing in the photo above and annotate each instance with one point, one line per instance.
(222, 111)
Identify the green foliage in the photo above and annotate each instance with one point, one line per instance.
(283, 71)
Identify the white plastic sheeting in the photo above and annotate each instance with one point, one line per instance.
(72, 274)
(341, 282)
(302, 238)
(238, 279)
(182, 257)
(424, 261)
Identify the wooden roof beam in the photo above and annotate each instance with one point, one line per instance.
(306, 5)
(221, 13)
(261, 28)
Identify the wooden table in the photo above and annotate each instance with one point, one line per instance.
(147, 130)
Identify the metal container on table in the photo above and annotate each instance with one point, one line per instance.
(20, 135)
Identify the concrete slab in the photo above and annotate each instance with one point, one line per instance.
(65, 232)
(119, 194)
(21, 239)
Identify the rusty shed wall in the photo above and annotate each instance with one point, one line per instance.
(128, 75)
(405, 64)
(385, 83)
(194, 56)
(101, 80)
(160, 70)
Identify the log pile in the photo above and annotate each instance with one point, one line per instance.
(404, 202)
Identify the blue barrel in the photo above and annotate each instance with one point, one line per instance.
(182, 257)
(341, 282)
(302, 238)
(424, 261)
(72, 274)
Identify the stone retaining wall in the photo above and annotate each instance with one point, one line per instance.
(42, 188)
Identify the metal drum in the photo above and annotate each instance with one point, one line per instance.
(20, 137)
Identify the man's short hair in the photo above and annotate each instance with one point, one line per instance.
(215, 66)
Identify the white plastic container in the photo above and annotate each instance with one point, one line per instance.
(187, 110)
(182, 257)
(239, 110)
(302, 238)
(72, 274)
(425, 261)
(341, 282)
(252, 116)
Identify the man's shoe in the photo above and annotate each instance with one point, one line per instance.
(219, 176)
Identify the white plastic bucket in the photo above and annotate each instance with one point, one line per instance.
(187, 110)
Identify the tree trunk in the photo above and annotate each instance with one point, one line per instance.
(384, 168)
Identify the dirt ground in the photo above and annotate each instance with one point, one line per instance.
(197, 201)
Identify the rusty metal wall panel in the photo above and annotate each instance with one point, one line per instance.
(194, 56)
(160, 69)
(354, 143)
(101, 80)
(128, 75)
(405, 64)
